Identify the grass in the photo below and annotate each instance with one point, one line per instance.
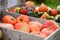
(51, 3)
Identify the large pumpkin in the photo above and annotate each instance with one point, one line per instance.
(22, 27)
(22, 18)
(43, 8)
(9, 19)
(33, 28)
(36, 23)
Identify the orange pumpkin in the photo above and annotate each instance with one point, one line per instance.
(9, 19)
(43, 8)
(43, 17)
(22, 27)
(36, 23)
(33, 27)
(22, 18)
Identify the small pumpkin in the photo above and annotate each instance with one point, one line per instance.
(22, 18)
(43, 8)
(9, 19)
(17, 9)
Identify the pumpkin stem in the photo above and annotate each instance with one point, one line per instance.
(21, 19)
(13, 19)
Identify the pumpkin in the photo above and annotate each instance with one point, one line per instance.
(22, 18)
(9, 19)
(53, 12)
(22, 27)
(43, 8)
(23, 10)
(33, 27)
(43, 17)
(40, 25)
(17, 9)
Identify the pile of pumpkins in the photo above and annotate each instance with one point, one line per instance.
(42, 11)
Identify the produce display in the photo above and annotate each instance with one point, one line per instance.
(23, 23)
(43, 11)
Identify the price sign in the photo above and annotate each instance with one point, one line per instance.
(12, 3)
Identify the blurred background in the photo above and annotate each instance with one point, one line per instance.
(50, 3)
